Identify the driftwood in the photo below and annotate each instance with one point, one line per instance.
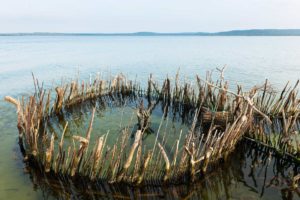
(219, 117)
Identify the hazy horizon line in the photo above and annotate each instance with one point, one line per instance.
(273, 31)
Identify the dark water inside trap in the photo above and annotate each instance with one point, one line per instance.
(251, 171)
(115, 114)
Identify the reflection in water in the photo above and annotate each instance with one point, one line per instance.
(251, 172)
(268, 174)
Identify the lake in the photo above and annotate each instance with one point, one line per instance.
(249, 61)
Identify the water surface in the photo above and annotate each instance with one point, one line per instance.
(249, 61)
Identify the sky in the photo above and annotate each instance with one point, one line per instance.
(119, 16)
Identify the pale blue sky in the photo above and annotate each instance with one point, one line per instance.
(146, 15)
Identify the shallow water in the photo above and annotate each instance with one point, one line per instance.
(249, 61)
(113, 116)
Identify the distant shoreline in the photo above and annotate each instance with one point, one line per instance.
(252, 32)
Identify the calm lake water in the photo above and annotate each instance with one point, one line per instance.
(249, 61)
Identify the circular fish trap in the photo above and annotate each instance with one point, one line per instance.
(157, 135)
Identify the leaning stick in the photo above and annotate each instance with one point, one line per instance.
(138, 136)
(167, 166)
(13, 101)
